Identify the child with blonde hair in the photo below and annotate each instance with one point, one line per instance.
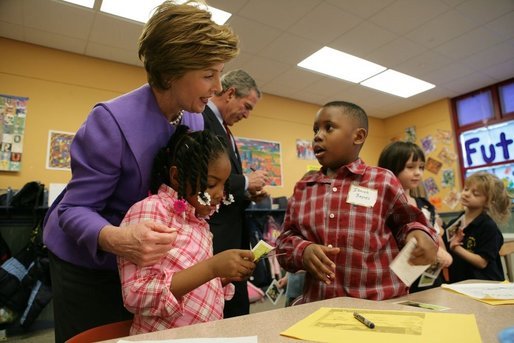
(473, 238)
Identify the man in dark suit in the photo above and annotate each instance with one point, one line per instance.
(237, 99)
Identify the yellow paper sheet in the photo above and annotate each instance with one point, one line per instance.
(339, 325)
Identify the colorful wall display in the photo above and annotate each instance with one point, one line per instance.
(58, 151)
(13, 113)
(259, 154)
(304, 149)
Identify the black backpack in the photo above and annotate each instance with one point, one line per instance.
(31, 195)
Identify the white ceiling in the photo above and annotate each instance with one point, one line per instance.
(458, 45)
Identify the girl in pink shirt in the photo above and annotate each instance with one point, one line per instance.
(189, 285)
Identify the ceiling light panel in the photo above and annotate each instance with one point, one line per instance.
(142, 10)
(396, 83)
(341, 65)
(85, 3)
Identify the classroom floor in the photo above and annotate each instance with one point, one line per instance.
(47, 335)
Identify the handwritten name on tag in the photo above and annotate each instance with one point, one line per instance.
(362, 196)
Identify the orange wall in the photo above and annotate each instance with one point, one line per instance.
(62, 87)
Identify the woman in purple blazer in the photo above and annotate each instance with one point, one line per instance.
(111, 159)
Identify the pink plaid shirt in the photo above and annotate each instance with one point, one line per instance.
(146, 290)
(369, 237)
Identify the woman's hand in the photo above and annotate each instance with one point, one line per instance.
(143, 244)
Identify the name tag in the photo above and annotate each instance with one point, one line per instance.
(362, 196)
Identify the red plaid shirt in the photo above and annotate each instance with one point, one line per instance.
(369, 237)
(146, 290)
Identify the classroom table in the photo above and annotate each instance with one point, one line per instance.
(267, 325)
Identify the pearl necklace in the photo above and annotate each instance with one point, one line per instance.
(177, 121)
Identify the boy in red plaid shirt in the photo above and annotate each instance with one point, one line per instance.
(345, 224)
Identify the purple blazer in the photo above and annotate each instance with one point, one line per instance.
(111, 163)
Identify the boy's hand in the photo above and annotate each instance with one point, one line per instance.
(316, 262)
(234, 264)
(425, 251)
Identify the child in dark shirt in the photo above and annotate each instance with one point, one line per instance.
(473, 238)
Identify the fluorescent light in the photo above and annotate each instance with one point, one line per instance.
(85, 3)
(142, 10)
(396, 83)
(220, 17)
(136, 10)
(341, 65)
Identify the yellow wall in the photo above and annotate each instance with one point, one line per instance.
(62, 88)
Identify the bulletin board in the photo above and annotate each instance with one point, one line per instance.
(439, 179)
(13, 113)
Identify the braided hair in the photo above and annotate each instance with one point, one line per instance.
(191, 153)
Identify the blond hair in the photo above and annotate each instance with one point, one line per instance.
(498, 202)
(180, 38)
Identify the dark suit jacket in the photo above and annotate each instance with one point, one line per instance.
(227, 225)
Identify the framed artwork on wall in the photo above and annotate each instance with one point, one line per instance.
(259, 154)
(58, 151)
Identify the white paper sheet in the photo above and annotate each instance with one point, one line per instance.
(407, 272)
(497, 291)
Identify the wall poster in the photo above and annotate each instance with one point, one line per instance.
(13, 112)
(259, 154)
(58, 151)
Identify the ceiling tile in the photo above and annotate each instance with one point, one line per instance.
(447, 73)
(469, 43)
(55, 41)
(464, 84)
(403, 16)
(484, 11)
(229, 6)
(12, 31)
(422, 64)
(299, 78)
(430, 40)
(324, 23)
(60, 18)
(11, 11)
(280, 89)
(328, 85)
(352, 42)
(309, 97)
(253, 36)
(504, 25)
(493, 55)
(265, 69)
(502, 71)
(239, 61)
(362, 8)
(107, 53)
(395, 52)
(441, 29)
(118, 33)
(279, 14)
(290, 49)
